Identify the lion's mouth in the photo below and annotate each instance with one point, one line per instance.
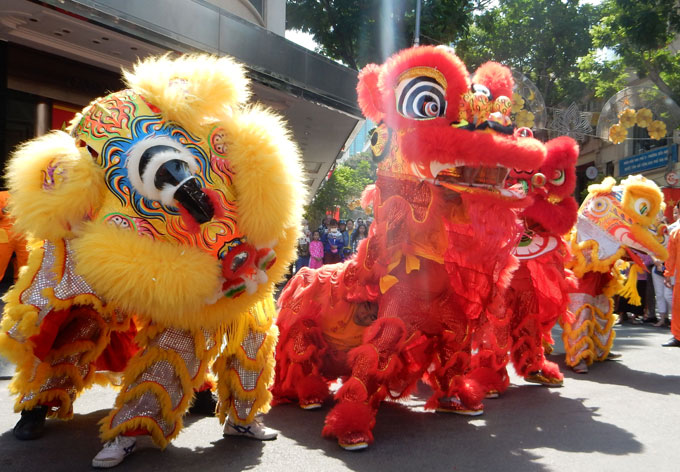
(477, 179)
(476, 176)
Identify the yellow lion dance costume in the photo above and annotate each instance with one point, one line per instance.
(173, 207)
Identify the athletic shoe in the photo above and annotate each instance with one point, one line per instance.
(673, 342)
(254, 430)
(580, 368)
(613, 356)
(492, 394)
(114, 452)
(454, 405)
(32, 423)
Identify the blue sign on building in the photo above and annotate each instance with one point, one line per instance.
(649, 160)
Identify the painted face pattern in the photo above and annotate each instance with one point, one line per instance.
(162, 179)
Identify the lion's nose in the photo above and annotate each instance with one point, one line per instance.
(190, 195)
(174, 178)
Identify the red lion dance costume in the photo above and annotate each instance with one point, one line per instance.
(437, 261)
(539, 292)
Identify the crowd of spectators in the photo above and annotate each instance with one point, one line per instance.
(333, 242)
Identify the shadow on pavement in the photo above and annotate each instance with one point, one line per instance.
(406, 436)
(72, 444)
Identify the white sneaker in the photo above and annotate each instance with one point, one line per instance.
(114, 452)
(254, 430)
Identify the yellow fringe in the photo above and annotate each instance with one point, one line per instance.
(585, 334)
(106, 433)
(136, 367)
(629, 289)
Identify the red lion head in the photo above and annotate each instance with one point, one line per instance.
(436, 124)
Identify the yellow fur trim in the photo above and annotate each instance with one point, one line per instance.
(258, 320)
(638, 187)
(604, 187)
(575, 338)
(191, 89)
(65, 411)
(155, 279)
(140, 363)
(585, 257)
(269, 176)
(106, 433)
(54, 185)
(629, 289)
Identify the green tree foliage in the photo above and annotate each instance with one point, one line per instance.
(543, 39)
(345, 185)
(358, 32)
(638, 33)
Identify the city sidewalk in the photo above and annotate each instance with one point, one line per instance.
(622, 416)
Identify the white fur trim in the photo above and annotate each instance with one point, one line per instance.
(144, 184)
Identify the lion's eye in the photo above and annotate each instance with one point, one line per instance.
(642, 206)
(558, 177)
(420, 98)
(482, 89)
(158, 166)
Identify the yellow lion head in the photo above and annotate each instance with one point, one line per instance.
(181, 201)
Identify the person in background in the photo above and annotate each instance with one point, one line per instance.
(676, 218)
(663, 292)
(347, 236)
(323, 227)
(359, 234)
(333, 244)
(672, 267)
(316, 251)
(303, 254)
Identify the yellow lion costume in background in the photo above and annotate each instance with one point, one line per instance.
(174, 207)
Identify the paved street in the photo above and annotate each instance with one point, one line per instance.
(622, 416)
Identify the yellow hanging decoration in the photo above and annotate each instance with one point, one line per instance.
(629, 289)
(643, 117)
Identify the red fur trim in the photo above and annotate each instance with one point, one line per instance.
(370, 98)
(562, 153)
(497, 78)
(214, 197)
(455, 146)
(471, 392)
(349, 417)
(554, 218)
(482, 379)
(312, 388)
(552, 370)
(189, 221)
(368, 196)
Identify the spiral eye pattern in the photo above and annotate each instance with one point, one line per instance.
(642, 206)
(558, 177)
(420, 98)
(380, 140)
(599, 206)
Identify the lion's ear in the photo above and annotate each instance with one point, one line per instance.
(496, 77)
(192, 88)
(54, 186)
(370, 98)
